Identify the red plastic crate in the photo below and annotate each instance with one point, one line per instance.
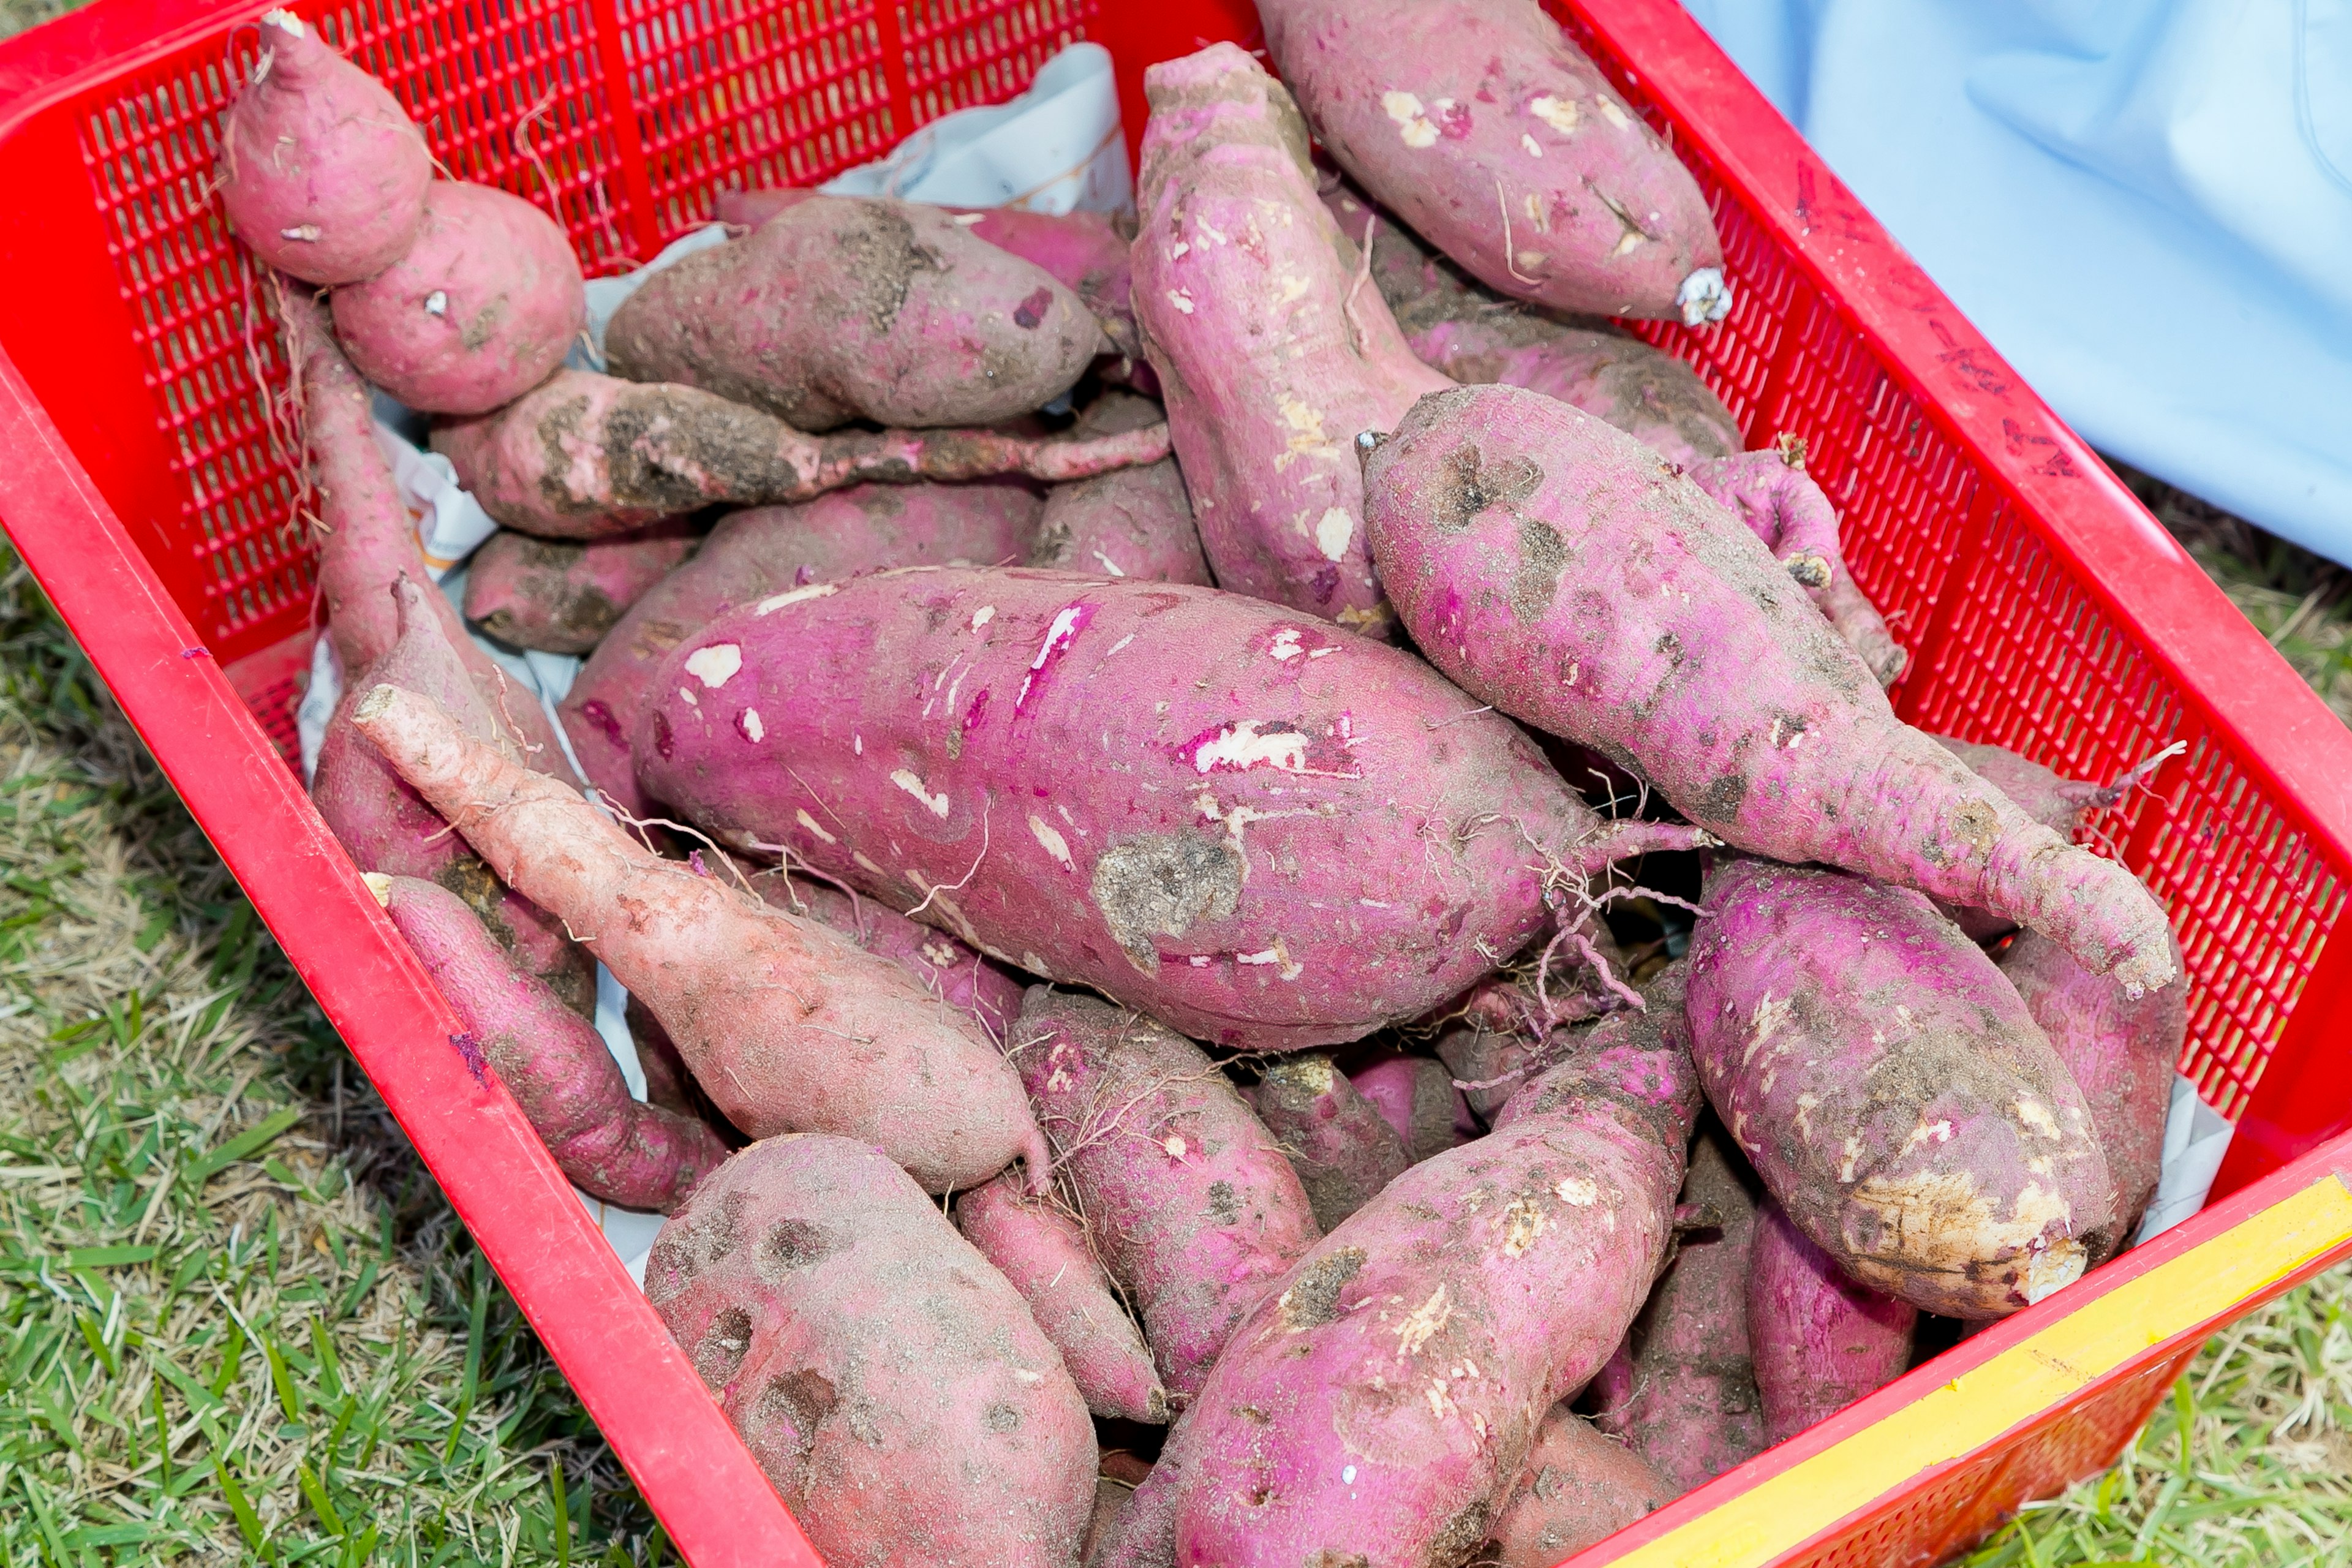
(2045, 609)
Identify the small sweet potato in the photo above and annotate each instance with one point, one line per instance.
(892, 1386)
(1137, 522)
(1416, 1097)
(1338, 1140)
(562, 596)
(1045, 1251)
(1578, 1486)
(1820, 1339)
(612, 1147)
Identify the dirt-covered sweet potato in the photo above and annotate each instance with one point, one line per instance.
(1552, 566)
(1416, 1097)
(1820, 1339)
(1137, 522)
(1272, 351)
(842, 308)
(1338, 1140)
(954, 973)
(321, 172)
(1213, 809)
(562, 596)
(1477, 122)
(787, 1025)
(1892, 1091)
(890, 1384)
(1577, 1485)
(1046, 1254)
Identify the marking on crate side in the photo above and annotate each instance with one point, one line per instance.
(1956, 1418)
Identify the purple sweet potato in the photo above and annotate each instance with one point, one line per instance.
(1338, 1140)
(1773, 494)
(562, 596)
(1246, 856)
(1380, 1409)
(786, 1023)
(1415, 1096)
(612, 1147)
(1892, 1091)
(1820, 1339)
(1192, 1207)
(2057, 803)
(1045, 1251)
(1577, 1486)
(954, 973)
(1689, 1405)
(321, 172)
(892, 1386)
(771, 549)
(842, 308)
(1137, 522)
(480, 309)
(587, 457)
(1477, 122)
(1272, 351)
(2123, 1054)
(1554, 567)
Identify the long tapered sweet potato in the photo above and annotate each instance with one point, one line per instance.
(562, 596)
(1195, 1211)
(612, 1147)
(1821, 1339)
(1044, 1252)
(1215, 810)
(1137, 522)
(1338, 1140)
(1271, 351)
(763, 550)
(786, 1023)
(889, 1382)
(1892, 1091)
(321, 172)
(963, 979)
(1577, 1485)
(1554, 567)
(587, 457)
(1495, 138)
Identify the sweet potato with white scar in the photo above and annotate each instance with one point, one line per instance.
(787, 1026)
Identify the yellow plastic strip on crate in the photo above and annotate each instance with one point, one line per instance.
(1778, 1515)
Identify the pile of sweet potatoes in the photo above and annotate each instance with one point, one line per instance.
(1225, 823)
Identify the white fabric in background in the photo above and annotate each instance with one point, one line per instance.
(2146, 204)
(2195, 1138)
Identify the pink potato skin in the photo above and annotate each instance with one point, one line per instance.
(2057, 803)
(1415, 1095)
(786, 1025)
(1558, 569)
(1379, 1410)
(952, 972)
(562, 597)
(1195, 1211)
(891, 1385)
(2122, 1052)
(842, 308)
(1248, 859)
(1271, 352)
(1500, 143)
(1892, 1091)
(321, 172)
(1578, 1487)
(482, 308)
(1822, 1341)
(1045, 1253)
(769, 550)
(612, 1147)
(1339, 1142)
(1137, 522)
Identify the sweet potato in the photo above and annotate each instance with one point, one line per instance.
(1338, 1140)
(786, 1023)
(321, 170)
(587, 457)
(771, 549)
(2122, 1053)
(954, 973)
(1477, 122)
(842, 308)
(1892, 1091)
(479, 310)
(1043, 1250)
(1379, 1408)
(1577, 1486)
(1553, 567)
(1415, 1096)
(387, 828)
(612, 1147)
(891, 1385)
(2058, 804)
(1193, 1208)
(1820, 1339)
(1271, 349)
(562, 596)
(1689, 1405)
(1773, 494)
(1137, 522)
(1249, 861)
